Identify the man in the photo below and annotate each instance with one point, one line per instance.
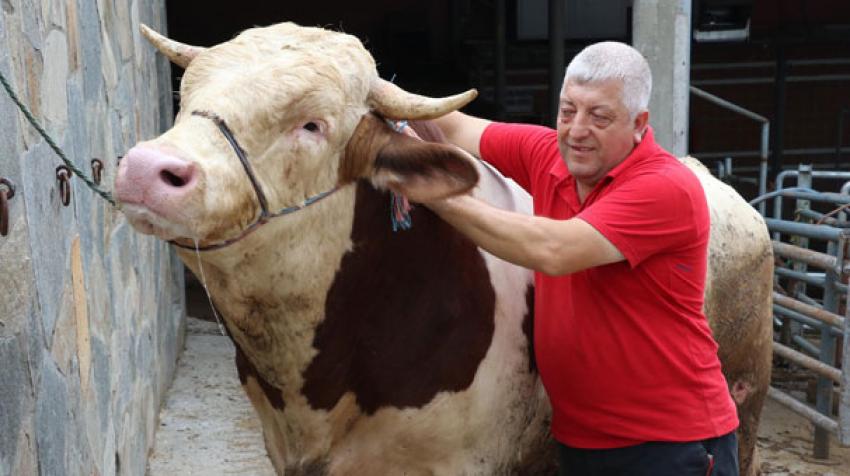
(619, 245)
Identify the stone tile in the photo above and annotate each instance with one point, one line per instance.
(14, 392)
(65, 58)
(73, 30)
(51, 419)
(54, 100)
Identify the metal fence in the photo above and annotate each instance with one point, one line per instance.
(810, 296)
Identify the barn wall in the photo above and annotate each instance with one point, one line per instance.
(91, 314)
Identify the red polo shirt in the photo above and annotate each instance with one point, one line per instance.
(624, 350)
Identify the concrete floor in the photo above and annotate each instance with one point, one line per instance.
(207, 426)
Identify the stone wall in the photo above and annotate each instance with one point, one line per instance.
(91, 314)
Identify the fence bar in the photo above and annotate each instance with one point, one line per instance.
(800, 276)
(844, 402)
(822, 218)
(828, 344)
(830, 197)
(814, 258)
(809, 310)
(803, 319)
(818, 232)
(804, 410)
(810, 363)
(804, 344)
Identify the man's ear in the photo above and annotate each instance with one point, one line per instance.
(395, 161)
(640, 123)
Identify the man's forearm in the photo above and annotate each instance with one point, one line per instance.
(513, 237)
(554, 247)
(463, 130)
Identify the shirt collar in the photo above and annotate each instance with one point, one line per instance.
(645, 148)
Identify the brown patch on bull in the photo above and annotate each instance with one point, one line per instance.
(245, 369)
(528, 328)
(376, 148)
(409, 314)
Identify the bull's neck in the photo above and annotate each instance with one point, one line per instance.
(309, 309)
(271, 287)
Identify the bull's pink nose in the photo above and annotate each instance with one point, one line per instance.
(154, 178)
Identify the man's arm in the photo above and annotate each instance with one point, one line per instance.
(554, 247)
(463, 130)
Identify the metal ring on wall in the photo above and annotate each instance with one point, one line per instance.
(6, 193)
(63, 175)
(96, 170)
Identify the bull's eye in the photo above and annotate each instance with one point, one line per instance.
(312, 127)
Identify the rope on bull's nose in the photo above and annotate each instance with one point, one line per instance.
(104, 194)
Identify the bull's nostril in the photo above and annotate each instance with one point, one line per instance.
(172, 179)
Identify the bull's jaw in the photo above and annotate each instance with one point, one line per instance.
(147, 222)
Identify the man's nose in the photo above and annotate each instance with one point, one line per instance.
(580, 127)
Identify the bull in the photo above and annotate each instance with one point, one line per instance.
(365, 351)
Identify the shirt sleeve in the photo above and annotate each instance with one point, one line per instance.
(651, 214)
(518, 151)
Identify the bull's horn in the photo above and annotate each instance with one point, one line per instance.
(393, 102)
(180, 54)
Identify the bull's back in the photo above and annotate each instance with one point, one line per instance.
(738, 303)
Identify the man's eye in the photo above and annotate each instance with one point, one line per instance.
(601, 119)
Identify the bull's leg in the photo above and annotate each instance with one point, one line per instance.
(749, 401)
(740, 314)
(271, 436)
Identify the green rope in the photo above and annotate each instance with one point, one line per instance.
(106, 196)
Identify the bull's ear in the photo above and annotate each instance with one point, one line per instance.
(399, 162)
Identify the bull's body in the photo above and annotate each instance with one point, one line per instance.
(366, 351)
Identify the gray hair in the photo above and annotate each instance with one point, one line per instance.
(614, 60)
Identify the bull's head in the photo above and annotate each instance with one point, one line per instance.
(306, 107)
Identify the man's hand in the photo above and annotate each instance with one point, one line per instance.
(423, 189)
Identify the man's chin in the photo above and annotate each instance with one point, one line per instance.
(581, 171)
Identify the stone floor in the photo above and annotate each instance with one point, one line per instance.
(207, 426)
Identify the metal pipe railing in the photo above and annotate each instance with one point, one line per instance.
(803, 319)
(844, 402)
(808, 310)
(806, 345)
(804, 410)
(828, 344)
(805, 313)
(822, 218)
(815, 365)
(805, 255)
(806, 169)
(764, 149)
(818, 232)
(807, 278)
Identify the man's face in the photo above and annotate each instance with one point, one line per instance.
(595, 132)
